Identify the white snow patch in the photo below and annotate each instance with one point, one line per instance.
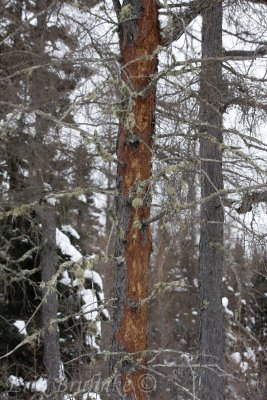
(231, 336)
(69, 229)
(52, 201)
(244, 366)
(65, 280)
(61, 372)
(37, 386)
(105, 313)
(236, 357)
(63, 242)
(15, 381)
(47, 187)
(187, 357)
(225, 302)
(90, 340)
(170, 363)
(82, 198)
(24, 172)
(21, 327)
(89, 309)
(94, 276)
(230, 288)
(250, 354)
(76, 282)
(91, 396)
(98, 329)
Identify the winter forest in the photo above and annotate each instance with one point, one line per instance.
(133, 199)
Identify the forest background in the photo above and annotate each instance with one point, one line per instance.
(133, 140)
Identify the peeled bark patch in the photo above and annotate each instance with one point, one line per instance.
(139, 38)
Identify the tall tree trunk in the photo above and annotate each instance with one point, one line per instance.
(48, 260)
(139, 38)
(211, 345)
(45, 213)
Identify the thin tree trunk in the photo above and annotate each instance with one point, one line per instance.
(211, 344)
(139, 38)
(45, 213)
(48, 261)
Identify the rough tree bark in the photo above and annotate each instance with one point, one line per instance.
(45, 212)
(48, 262)
(211, 341)
(139, 38)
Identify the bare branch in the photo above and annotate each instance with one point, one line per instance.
(260, 52)
(250, 199)
(184, 18)
(245, 102)
(258, 1)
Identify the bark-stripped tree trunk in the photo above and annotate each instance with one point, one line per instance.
(211, 345)
(139, 38)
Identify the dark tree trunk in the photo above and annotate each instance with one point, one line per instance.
(139, 38)
(48, 262)
(45, 213)
(211, 341)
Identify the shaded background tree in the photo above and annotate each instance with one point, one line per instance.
(85, 126)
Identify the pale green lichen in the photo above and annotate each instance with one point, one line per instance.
(137, 224)
(217, 246)
(91, 328)
(121, 233)
(130, 121)
(126, 12)
(204, 304)
(137, 202)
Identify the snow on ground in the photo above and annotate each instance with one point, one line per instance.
(86, 396)
(15, 381)
(37, 386)
(92, 396)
